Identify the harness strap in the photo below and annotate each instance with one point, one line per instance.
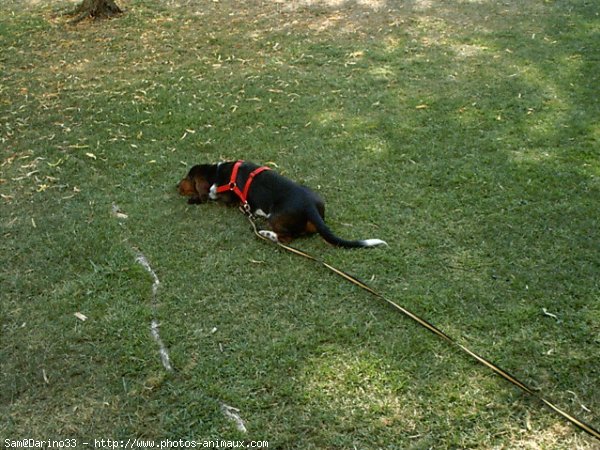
(233, 186)
(250, 180)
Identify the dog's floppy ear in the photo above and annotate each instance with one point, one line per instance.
(196, 189)
(186, 187)
(202, 187)
(196, 184)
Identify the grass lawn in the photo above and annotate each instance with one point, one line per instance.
(464, 133)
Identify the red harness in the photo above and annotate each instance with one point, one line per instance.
(232, 185)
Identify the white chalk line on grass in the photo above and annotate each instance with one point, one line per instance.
(154, 326)
(144, 262)
(229, 412)
(164, 354)
(233, 414)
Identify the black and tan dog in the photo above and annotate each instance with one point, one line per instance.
(291, 210)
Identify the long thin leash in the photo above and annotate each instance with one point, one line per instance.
(433, 329)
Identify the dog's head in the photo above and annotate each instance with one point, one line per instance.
(197, 183)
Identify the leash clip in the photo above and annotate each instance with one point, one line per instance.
(245, 208)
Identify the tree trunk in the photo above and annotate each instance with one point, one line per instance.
(96, 9)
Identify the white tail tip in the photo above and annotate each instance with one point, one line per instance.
(374, 243)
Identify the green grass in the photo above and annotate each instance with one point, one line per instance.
(465, 134)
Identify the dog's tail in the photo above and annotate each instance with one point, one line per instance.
(315, 218)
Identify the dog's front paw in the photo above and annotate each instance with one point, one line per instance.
(272, 236)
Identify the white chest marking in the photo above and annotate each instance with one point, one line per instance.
(212, 192)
